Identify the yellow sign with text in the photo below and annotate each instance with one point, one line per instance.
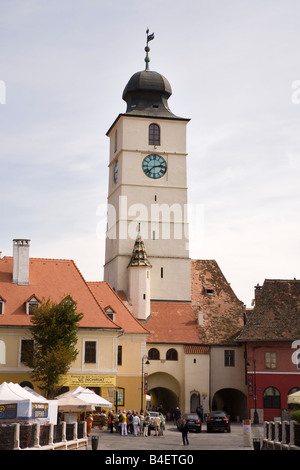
(86, 380)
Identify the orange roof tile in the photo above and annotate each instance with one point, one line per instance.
(108, 298)
(54, 279)
(172, 322)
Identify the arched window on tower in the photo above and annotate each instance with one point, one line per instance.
(172, 355)
(153, 354)
(154, 134)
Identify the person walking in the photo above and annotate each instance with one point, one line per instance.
(111, 421)
(147, 422)
(177, 415)
(141, 429)
(184, 431)
(135, 422)
(129, 417)
(89, 424)
(123, 420)
(157, 422)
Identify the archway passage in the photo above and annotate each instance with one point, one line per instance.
(164, 391)
(233, 401)
(163, 397)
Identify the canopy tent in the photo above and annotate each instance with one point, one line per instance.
(14, 393)
(53, 406)
(72, 404)
(36, 394)
(27, 404)
(88, 396)
(294, 398)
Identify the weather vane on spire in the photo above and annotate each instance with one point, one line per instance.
(147, 48)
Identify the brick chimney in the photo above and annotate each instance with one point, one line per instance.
(257, 292)
(21, 261)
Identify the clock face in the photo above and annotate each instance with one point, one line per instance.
(154, 166)
(116, 172)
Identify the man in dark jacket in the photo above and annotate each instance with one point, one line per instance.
(184, 431)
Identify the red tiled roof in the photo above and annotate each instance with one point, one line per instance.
(108, 298)
(172, 322)
(276, 314)
(54, 279)
(212, 296)
(195, 349)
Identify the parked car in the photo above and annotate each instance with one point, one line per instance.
(218, 420)
(192, 420)
(152, 416)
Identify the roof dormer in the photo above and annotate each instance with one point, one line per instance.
(110, 313)
(31, 304)
(2, 305)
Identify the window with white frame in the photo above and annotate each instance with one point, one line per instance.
(2, 303)
(31, 305)
(229, 358)
(110, 313)
(270, 360)
(2, 352)
(90, 352)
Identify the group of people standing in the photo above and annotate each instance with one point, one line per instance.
(133, 423)
(140, 424)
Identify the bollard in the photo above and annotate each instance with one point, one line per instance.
(256, 444)
(95, 442)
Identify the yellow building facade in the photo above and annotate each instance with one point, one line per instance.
(110, 339)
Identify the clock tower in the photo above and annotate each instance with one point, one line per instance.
(147, 194)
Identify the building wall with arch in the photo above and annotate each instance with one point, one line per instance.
(181, 369)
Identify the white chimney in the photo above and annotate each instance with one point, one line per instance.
(200, 318)
(21, 262)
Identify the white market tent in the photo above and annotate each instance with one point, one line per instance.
(71, 404)
(11, 393)
(53, 405)
(36, 394)
(15, 393)
(294, 398)
(88, 396)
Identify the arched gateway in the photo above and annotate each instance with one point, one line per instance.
(231, 400)
(164, 390)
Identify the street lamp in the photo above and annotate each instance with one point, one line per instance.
(146, 362)
(255, 420)
(255, 416)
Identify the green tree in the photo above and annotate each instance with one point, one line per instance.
(54, 331)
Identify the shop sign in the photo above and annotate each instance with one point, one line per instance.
(85, 380)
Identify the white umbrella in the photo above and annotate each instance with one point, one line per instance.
(72, 403)
(88, 396)
(94, 399)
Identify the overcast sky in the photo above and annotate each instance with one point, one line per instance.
(232, 65)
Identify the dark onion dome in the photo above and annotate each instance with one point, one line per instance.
(147, 94)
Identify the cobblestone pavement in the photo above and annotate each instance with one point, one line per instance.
(172, 440)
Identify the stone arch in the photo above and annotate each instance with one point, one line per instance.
(164, 389)
(26, 384)
(231, 400)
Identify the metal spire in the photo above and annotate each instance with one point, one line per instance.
(147, 48)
